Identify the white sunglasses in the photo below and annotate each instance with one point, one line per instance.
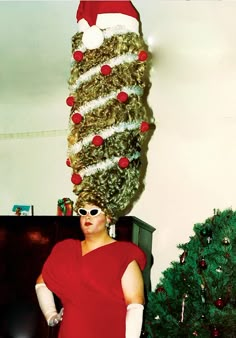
(92, 212)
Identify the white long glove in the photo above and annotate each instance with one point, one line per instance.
(47, 304)
(134, 320)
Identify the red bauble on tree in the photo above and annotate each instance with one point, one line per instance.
(68, 162)
(219, 303)
(106, 70)
(76, 179)
(97, 140)
(160, 289)
(215, 332)
(203, 264)
(78, 55)
(144, 126)
(70, 101)
(123, 162)
(77, 118)
(143, 55)
(122, 97)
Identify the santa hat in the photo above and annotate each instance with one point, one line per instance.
(94, 15)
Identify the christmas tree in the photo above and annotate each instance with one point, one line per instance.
(196, 296)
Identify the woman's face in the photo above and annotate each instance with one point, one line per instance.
(92, 224)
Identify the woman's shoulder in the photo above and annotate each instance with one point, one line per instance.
(128, 245)
(132, 251)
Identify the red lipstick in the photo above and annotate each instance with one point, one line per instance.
(87, 223)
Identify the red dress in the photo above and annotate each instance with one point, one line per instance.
(89, 287)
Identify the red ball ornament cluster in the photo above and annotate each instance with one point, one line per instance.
(215, 332)
(122, 97)
(76, 118)
(76, 179)
(160, 289)
(97, 140)
(68, 162)
(70, 101)
(144, 126)
(219, 303)
(143, 55)
(203, 264)
(106, 70)
(78, 55)
(123, 162)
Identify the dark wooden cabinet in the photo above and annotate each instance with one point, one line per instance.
(25, 242)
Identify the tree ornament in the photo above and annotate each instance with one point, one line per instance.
(70, 101)
(68, 162)
(203, 293)
(76, 179)
(219, 303)
(203, 264)
(183, 257)
(144, 126)
(78, 55)
(226, 241)
(195, 334)
(122, 97)
(206, 232)
(215, 332)
(123, 162)
(219, 269)
(143, 55)
(160, 289)
(77, 118)
(203, 317)
(106, 70)
(93, 37)
(185, 296)
(97, 140)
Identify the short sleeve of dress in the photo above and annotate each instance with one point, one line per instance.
(56, 269)
(132, 252)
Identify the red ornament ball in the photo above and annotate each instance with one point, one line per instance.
(122, 97)
(215, 333)
(97, 140)
(68, 162)
(219, 303)
(76, 118)
(78, 55)
(143, 55)
(144, 126)
(106, 70)
(203, 263)
(70, 101)
(160, 289)
(76, 179)
(123, 162)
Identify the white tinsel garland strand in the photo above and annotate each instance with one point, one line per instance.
(118, 60)
(93, 104)
(108, 33)
(105, 165)
(105, 133)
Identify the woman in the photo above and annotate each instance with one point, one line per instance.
(98, 280)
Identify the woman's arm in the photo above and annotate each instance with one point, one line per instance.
(133, 289)
(47, 303)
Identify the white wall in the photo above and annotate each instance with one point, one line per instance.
(192, 153)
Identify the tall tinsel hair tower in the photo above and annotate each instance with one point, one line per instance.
(108, 115)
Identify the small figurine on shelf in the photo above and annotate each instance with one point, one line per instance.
(18, 211)
(65, 207)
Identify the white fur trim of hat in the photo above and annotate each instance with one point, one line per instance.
(93, 17)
